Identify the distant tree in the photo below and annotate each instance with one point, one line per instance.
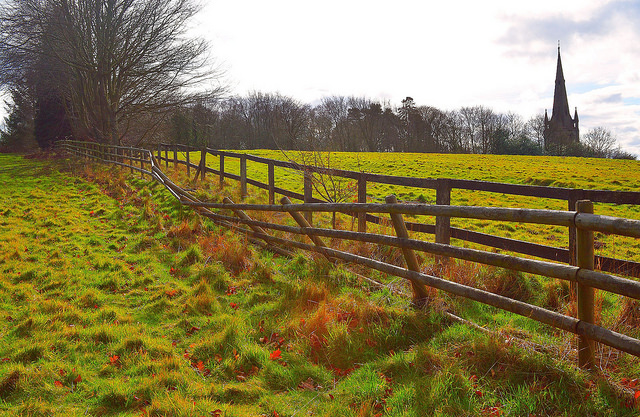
(17, 133)
(619, 153)
(600, 142)
(453, 133)
(534, 129)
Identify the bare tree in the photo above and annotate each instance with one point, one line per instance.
(118, 61)
(534, 129)
(600, 141)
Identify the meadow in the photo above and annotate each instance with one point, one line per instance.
(116, 300)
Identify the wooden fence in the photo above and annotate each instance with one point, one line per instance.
(583, 221)
(442, 186)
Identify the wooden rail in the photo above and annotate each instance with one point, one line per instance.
(582, 220)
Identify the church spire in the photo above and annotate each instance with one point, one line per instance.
(561, 129)
(560, 102)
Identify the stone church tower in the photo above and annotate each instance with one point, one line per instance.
(561, 130)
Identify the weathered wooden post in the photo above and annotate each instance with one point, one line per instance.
(188, 162)
(362, 198)
(272, 182)
(585, 294)
(420, 294)
(302, 222)
(203, 163)
(243, 176)
(443, 223)
(130, 159)
(221, 166)
(166, 155)
(175, 156)
(259, 231)
(159, 153)
(141, 154)
(572, 200)
(308, 194)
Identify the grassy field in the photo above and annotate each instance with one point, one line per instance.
(586, 173)
(115, 300)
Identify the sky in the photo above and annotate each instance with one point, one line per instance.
(499, 54)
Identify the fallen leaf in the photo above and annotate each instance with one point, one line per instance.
(275, 355)
(58, 384)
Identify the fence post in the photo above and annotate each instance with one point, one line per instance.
(221, 170)
(574, 197)
(166, 155)
(175, 156)
(130, 159)
(585, 294)
(443, 223)
(308, 194)
(420, 294)
(203, 163)
(259, 231)
(243, 176)
(188, 162)
(272, 183)
(159, 154)
(141, 154)
(362, 198)
(302, 222)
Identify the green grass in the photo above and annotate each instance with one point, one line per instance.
(115, 300)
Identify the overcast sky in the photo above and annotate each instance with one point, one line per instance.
(500, 54)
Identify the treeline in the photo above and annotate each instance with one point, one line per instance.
(355, 124)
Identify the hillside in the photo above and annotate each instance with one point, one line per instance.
(115, 300)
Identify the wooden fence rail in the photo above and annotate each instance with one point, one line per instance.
(583, 221)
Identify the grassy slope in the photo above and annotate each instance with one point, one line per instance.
(115, 301)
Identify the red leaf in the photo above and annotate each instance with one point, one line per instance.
(200, 366)
(233, 306)
(637, 395)
(275, 355)
(479, 393)
(58, 384)
(114, 359)
(78, 379)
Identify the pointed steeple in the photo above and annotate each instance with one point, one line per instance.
(561, 129)
(560, 103)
